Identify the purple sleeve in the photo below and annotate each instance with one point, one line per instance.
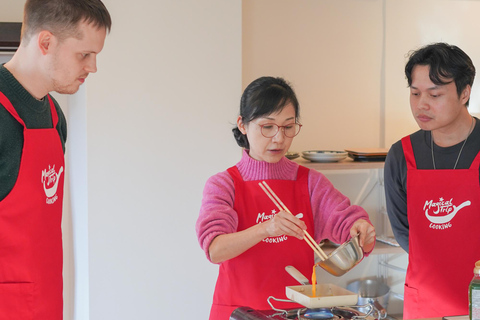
(217, 215)
(333, 215)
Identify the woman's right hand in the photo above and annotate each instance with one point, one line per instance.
(230, 245)
(283, 223)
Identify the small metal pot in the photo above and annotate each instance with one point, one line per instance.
(344, 258)
(371, 291)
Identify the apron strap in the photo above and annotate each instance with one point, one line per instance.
(53, 112)
(234, 173)
(476, 162)
(302, 173)
(8, 105)
(408, 152)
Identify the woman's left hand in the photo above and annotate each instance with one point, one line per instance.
(367, 234)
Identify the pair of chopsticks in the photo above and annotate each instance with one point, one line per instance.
(281, 206)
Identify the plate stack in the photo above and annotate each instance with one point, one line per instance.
(368, 154)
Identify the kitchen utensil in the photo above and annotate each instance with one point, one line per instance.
(297, 275)
(339, 313)
(388, 240)
(344, 258)
(328, 295)
(371, 291)
(368, 154)
(281, 206)
(368, 151)
(324, 155)
(292, 155)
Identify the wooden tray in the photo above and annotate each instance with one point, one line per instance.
(327, 295)
(372, 152)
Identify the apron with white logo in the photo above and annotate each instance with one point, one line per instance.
(249, 279)
(30, 228)
(443, 215)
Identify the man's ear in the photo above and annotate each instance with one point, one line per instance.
(465, 95)
(45, 41)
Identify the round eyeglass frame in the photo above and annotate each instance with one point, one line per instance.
(278, 128)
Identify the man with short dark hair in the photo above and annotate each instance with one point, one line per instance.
(432, 184)
(59, 44)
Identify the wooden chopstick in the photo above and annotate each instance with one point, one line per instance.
(308, 238)
(310, 241)
(281, 206)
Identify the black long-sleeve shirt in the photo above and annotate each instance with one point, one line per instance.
(36, 114)
(395, 173)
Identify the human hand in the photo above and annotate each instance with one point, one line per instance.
(367, 234)
(283, 223)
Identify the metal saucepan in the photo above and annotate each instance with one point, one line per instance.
(344, 258)
(371, 291)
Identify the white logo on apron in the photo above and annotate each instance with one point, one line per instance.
(50, 181)
(444, 207)
(261, 217)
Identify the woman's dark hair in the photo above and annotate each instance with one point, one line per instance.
(262, 97)
(447, 63)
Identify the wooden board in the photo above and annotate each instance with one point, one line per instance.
(368, 151)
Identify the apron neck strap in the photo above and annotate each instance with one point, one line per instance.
(8, 105)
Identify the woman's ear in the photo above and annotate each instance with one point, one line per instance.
(241, 125)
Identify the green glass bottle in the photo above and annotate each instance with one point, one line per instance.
(474, 293)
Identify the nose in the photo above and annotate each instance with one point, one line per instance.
(422, 103)
(91, 66)
(280, 136)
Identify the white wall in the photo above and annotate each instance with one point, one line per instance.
(331, 52)
(12, 11)
(158, 119)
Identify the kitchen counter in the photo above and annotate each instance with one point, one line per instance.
(347, 163)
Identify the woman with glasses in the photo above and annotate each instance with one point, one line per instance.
(241, 229)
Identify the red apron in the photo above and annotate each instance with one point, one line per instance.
(256, 274)
(30, 228)
(443, 215)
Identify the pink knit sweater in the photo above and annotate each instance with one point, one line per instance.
(332, 212)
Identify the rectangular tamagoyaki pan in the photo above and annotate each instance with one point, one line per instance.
(327, 295)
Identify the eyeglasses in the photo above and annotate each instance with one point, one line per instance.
(270, 130)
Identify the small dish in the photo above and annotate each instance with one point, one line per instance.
(292, 155)
(324, 155)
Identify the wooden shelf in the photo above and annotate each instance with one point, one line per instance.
(348, 163)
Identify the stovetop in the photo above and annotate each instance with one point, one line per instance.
(334, 313)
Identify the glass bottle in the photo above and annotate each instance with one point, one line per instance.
(474, 294)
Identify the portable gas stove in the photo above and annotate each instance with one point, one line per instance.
(330, 313)
(333, 313)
